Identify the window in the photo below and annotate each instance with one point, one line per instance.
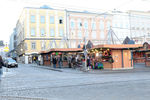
(86, 24)
(42, 19)
(43, 45)
(94, 34)
(61, 32)
(51, 19)
(108, 25)
(60, 20)
(33, 45)
(32, 31)
(61, 44)
(53, 44)
(101, 25)
(72, 24)
(93, 25)
(32, 18)
(79, 24)
(52, 32)
(86, 34)
(79, 34)
(102, 35)
(42, 32)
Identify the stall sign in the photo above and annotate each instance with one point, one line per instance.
(56, 53)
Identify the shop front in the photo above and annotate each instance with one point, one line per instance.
(112, 56)
(140, 54)
(64, 53)
(147, 59)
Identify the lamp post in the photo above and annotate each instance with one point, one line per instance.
(85, 54)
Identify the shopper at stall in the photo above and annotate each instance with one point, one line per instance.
(60, 61)
(73, 61)
(69, 61)
(88, 62)
(54, 62)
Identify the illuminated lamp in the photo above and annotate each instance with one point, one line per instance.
(97, 54)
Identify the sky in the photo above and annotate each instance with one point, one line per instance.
(11, 9)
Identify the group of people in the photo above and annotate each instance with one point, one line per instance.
(76, 61)
(56, 59)
(72, 61)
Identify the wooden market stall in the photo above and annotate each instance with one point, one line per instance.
(139, 54)
(147, 59)
(114, 56)
(63, 52)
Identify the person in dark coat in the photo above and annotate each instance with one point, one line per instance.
(60, 61)
(54, 62)
(1, 64)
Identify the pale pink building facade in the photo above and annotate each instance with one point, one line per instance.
(92, 26)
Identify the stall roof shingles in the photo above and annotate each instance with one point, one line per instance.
(118, 46)
(63, 50)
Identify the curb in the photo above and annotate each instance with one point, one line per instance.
(45, 67)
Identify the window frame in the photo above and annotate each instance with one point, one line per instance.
(52, 21)
(42, 19)
(60, 20)
(52, 33)
(41, 32)
(33, 46)
(61, 30)
(32, 20)
(31, 32)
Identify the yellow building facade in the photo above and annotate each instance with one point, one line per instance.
(40, 30)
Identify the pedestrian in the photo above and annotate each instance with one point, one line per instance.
(54, 62)
(73, 61)
(1, 64)
(69, 61)
(60, 61)
(88, 62)
(34, 60)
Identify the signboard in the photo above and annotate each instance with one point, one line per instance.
(6, 49)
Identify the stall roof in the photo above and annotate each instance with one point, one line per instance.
(62, 50)
(118, 46)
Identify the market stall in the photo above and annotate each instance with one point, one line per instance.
(139, 54)
(147, 59)
(113, 56)
(64, 53)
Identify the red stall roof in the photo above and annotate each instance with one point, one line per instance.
(118, 46)
(62, 50)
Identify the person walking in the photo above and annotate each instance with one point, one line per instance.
(54, 62)
(1, 64)
(88, 62)
(60, 61)
(69, 61)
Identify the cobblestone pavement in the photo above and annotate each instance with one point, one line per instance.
(31, 82)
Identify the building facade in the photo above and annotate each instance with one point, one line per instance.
(120, 25)
(87, 26)
(140, 26)
(12, 45)
(39, 30)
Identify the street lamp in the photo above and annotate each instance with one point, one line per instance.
(85, 53)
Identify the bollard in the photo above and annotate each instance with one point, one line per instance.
(6, 69)
(84, 68)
